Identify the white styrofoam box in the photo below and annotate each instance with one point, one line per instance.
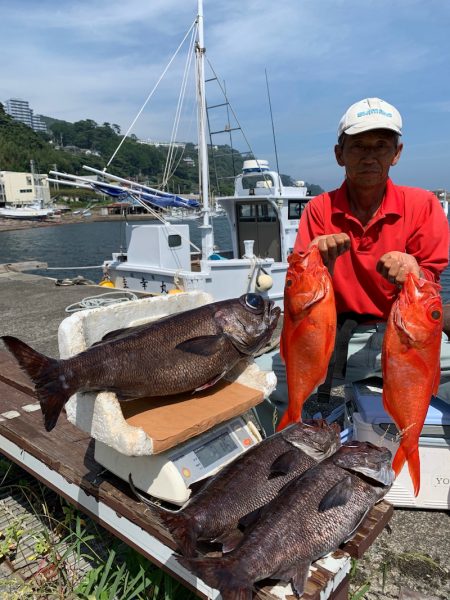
(100, 414)
(370, 423)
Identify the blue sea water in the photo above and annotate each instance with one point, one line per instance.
(88, 244)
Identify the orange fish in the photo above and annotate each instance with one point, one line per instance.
(411, 366)
(309, 329)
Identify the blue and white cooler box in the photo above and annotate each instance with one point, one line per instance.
(371, 423)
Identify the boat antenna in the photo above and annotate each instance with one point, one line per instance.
(271, 119)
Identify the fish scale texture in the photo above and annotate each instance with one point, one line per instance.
(245, 486)
(149, 361)
(250, 482)
(293, 530)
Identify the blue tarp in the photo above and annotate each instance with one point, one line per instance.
(163, 201)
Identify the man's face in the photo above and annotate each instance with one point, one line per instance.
(368, 156)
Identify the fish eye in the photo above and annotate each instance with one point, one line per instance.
(254, 301)
(288, 282)
(436, 315)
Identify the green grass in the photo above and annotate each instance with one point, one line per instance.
(72, 556)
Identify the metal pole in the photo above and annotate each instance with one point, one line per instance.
(206, 228)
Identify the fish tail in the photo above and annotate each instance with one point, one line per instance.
(51, 386)
(399, 460)
(183, 531)
(414, 469)
(286, 420)
(413, 465)
(219, 573)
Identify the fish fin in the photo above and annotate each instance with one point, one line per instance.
(112, 335)
(414, 469)
(179, 526)
(413, 466)
(399, 460)
(437, 380)
(220, 573)
(52, 388)
(298, 579)
(338, 495)
(284, 463)
(210, 383)
(203, 345)
(250, 518)
(124, 332)
(229, 540)
(183, 531)
(296, 574)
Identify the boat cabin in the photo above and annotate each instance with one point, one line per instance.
(265, 211)
(263, 217)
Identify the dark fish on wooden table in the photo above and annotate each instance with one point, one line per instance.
(188, 351)
(312, 516)
(247, 483)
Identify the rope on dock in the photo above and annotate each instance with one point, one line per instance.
(105, 299)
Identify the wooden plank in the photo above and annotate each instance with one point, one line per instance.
(70, 452)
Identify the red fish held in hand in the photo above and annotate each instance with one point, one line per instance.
(309, 329)
(411, 366)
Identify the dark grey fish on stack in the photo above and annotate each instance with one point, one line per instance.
(248, 483)
(180, 353)
(311, 516)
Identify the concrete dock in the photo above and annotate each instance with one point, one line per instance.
(410, 562)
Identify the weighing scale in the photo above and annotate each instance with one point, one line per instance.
(193, 438)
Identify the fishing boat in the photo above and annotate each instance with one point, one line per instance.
(32, 210)
(29, 212)
(262, 214)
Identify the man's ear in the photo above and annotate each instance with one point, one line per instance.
(397, 155)
(338, 155)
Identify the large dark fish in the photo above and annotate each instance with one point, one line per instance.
(179, 353)
(312, 516)
(249, 482)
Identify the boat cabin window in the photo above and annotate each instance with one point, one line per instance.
(257, 180)
(174, 240)
(295, 209)
(258, 221)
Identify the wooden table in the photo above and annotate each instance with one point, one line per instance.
(64, 461)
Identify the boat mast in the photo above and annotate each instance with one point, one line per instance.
(206, 228)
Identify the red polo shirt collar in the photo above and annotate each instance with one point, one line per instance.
(391, 204)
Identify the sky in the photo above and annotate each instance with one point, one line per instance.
(311, 59)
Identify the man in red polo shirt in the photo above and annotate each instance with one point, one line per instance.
(380, 231)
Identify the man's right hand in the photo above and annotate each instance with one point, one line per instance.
(330, 247)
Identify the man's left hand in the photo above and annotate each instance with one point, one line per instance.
(394, 266)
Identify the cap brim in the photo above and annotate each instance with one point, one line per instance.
(354, 129)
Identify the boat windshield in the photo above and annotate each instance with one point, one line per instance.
(257, 180)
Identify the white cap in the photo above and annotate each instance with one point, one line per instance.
(370, 113)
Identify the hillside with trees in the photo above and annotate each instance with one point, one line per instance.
(69, 146)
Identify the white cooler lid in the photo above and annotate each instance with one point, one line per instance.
(369, 403)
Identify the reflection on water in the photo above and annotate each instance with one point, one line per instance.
(89, 244)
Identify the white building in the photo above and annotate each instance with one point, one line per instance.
(20, 110)
(22, 189)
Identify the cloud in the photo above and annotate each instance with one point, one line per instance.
(99, 59)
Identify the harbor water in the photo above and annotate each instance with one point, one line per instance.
(83, 245)
(70, 250)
